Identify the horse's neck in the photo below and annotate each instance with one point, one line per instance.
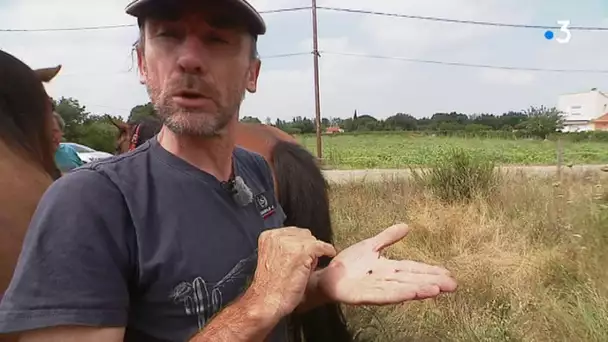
(253, 138)
(261, 139)
(21, 185)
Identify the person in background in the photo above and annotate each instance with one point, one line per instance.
(66, 157)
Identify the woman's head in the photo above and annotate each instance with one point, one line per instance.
(26, 119)
(58, 128)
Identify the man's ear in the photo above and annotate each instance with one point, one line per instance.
(141, 65)
(253, 74)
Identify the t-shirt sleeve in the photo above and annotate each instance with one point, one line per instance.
(74, 268)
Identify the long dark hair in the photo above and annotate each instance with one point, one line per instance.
(25, 113)
(303, 195)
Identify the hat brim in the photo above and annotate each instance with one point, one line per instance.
(257, 26)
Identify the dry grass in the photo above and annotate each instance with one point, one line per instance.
(531, 261)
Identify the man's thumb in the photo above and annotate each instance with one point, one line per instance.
(389, 236)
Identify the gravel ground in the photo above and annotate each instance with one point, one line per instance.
(344, 176)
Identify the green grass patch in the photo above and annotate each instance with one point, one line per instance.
(406, 150)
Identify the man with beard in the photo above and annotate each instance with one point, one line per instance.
(152, 246)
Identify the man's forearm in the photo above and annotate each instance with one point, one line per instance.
(314, 296)
(245, 320)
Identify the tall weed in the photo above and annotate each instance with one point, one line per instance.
(458, 176)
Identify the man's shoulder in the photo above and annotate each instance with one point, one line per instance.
(81, 180)
(250, 156)
(121, 162)
(116, 169)
(254, 161)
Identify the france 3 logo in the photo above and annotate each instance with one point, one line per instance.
(566, 35)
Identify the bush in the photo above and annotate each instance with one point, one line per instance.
(458, 176)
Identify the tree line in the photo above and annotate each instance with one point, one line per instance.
(534, 121)
(95, 131)
(85, 128)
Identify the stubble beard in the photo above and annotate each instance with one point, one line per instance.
(183, 121)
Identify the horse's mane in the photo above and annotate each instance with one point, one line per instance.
(24, 105)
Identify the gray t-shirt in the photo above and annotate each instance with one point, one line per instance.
(143, 240)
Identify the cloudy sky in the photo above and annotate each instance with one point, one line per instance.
(98, 66)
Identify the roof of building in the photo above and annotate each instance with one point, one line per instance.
(603, 118)
(586, 92)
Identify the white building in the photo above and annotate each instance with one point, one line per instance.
(581, 108)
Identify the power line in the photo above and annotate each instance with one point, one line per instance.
(106, 27)
(486, 23)
(337, 9)
(276, 56)
(403, 59)
(472, 65)
(83, 28)
(293, 54)
(457, 21)
(282, 10)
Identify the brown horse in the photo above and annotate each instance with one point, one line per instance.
(301, 189)
(27, 165)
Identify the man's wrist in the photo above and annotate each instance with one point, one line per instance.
(248, 319)
(315, 295)
(260, 309)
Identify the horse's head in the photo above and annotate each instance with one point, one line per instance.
(124, 134)
(26, 111)
(133, 134)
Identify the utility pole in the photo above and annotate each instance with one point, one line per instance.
(315, 52)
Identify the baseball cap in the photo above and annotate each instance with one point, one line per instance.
(257, 26)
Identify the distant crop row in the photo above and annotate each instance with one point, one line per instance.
(403, 150)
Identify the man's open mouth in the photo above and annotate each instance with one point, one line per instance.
(193, 95)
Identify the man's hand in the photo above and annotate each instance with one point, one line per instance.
(286, 259)
(360, 275)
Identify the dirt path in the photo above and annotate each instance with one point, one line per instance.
(343, 176)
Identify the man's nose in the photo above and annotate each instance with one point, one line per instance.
(193, 55)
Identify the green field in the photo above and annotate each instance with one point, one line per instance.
(366, 151)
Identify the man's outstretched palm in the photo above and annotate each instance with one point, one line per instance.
(359, 275)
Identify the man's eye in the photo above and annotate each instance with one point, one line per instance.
(217, 39)
(167, 33)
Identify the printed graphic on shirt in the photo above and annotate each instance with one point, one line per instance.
(265, 205)
(204, 300)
